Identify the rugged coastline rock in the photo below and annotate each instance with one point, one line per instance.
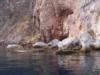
(67, 18)
(22, 20)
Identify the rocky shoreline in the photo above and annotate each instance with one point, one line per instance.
(84, 43)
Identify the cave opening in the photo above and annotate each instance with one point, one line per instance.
(64, 13)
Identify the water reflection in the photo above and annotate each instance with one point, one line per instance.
(87, 64)
(47, 63)
(15, 63)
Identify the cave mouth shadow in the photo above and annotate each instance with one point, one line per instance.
(64, 13)
(56, 30)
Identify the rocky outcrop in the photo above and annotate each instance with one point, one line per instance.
(21, 20)
(61, 19)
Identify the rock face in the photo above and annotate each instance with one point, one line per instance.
(59, 19)
(51, 15)
(16, 20)
(52, 19)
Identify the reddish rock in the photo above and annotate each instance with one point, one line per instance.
(52, 14)
(53, 19)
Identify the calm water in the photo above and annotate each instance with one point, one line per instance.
(47, 63)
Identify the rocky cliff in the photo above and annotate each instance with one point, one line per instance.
(16, 20)
(67, 18)
(52, 19)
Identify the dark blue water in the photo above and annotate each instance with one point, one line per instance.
(47, 63)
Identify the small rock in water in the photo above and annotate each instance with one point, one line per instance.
(39, 45)
(54, 43)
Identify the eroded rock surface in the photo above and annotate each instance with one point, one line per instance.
(52, 19)
(52, 14)
(59, 19)
(16, 20)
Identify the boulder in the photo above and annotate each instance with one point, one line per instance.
(96, 44)
(54, 43)
(70, 43)
(39, 45)
(86, 41)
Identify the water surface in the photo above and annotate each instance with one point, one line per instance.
(47, 63)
